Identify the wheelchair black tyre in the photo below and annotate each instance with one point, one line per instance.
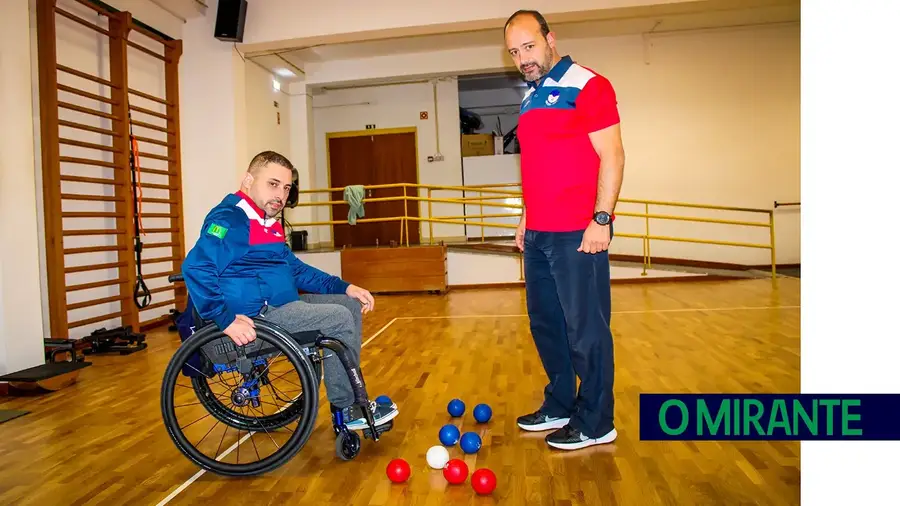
(308, 403)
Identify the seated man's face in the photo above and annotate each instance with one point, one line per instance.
(270, 187)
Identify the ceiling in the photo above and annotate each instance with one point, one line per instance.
(295, 59)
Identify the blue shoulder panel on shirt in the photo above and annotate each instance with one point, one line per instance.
(551, 97)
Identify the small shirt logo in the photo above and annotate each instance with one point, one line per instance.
(554, 96)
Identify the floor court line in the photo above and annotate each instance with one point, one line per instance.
(181, 488)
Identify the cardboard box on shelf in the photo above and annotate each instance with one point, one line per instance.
(477, 144)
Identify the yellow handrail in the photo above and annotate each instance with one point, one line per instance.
(489, 194)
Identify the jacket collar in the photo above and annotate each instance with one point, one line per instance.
(260, 214)
(556, 73)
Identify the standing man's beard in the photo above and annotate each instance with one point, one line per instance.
(534, 70)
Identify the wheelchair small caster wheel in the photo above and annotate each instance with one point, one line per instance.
(347, 445)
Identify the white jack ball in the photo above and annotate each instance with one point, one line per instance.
(437, 457)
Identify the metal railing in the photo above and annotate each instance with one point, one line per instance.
(499, 195)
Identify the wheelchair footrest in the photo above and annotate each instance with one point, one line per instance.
(379, 430)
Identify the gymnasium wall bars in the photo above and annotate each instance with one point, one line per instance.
(110, 161)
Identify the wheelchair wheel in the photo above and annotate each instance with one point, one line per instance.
(244, 410)
(224, 412)
(347, 445)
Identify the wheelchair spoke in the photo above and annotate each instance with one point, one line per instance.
(195, 421)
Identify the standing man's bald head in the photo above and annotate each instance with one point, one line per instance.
(531, 44)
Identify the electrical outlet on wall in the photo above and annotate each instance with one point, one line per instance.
(438, 157)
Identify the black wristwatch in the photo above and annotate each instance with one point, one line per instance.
(602, 218)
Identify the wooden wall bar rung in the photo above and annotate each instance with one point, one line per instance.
(92, 249)
(148, 96)
(156, 186)
(148, 112)
(88, 321)
(94, 267)
(158, 304)
(153, 245)
(150, 126)
(88, 110)
(85, 94)
(92, 231)
(88, 128)
(87, 161)
(95, 302)
(151, 141)
(159, 260)
(157, 171)
(82, 144)
(95, 198)
(85, 75)
(96, 284)
(159, 275)
(81, 21)
(85, 179)
(57, 95)
(147, 51)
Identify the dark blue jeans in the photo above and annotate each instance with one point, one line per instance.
(568, 298)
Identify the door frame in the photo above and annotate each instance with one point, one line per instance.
(365, 133)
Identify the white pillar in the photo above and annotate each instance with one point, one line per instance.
(303, 154)
(213, 120)
(21, 322)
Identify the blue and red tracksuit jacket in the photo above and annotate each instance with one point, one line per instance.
(241, 263)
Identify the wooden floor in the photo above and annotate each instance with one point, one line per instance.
(103, 442)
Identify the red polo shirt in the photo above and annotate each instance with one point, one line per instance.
(559, 164)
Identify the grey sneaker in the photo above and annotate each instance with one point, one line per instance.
(381, 413)
(537, 422)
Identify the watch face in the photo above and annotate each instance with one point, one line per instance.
(602, 218)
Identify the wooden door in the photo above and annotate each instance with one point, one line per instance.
(350, 162)
(374, 160)
(395, 162)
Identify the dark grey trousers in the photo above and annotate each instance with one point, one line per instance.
(336, 316)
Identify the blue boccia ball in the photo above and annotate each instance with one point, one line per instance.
(449, 435)
(470, 442)
(456, 407)
(383, 400)
(482, 413)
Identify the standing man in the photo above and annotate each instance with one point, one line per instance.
(572, 163)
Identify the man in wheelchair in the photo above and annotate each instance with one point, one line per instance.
(241, 269)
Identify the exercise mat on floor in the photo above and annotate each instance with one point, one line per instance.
(9, 414)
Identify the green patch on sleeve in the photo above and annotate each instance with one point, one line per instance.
(217, 230)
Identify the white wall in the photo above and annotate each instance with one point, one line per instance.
(21, 325)
(709, 117)
(393, 107)
(268, 124)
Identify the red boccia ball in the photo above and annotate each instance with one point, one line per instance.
(398, 470)
(456, 471)
(484, 481)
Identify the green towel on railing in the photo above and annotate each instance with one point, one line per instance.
(353, 196)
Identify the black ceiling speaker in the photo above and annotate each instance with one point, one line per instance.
(230, 17)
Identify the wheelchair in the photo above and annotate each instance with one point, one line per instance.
(235, 387)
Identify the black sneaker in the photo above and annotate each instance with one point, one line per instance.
(537, 422)
(569, 438)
